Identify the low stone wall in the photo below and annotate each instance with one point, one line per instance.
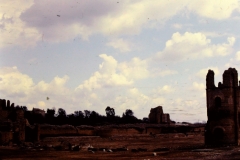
(54, 130)
(108, 131)
(85, 131)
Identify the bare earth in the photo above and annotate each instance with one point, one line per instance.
(165, 146)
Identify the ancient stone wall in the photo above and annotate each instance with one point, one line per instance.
(67, 130)
(12, 122)
(117, 131)
(108, 131)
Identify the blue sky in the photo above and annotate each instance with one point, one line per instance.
(87, 55)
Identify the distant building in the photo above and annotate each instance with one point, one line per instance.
(156, 115)
(38, 111)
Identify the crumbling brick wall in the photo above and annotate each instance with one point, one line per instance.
(12, 122)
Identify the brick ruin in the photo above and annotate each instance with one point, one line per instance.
(223, 109)
(156, 115)
(15, 129)
(12, 123)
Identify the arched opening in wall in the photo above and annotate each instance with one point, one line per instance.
(218, 102)
(218, 133)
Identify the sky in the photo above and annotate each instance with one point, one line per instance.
(129, 54)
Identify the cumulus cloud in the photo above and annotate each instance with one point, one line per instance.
(203, 72)
(214, 9)
(107, 76)
(164, 90)
(57, 18)
(57, 21)
(237, 56)
(192, 46)
(135, 69)
(13, 30)
(199, 86)
(14, 83)
(120, 44)
(112, 85)
(177, 26)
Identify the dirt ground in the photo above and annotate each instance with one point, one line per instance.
(161, 146)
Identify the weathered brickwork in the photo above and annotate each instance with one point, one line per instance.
(12, 123)
(223, 106)
(156, 115)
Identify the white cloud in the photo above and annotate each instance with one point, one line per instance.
(237, 56)
(14, 82)
(41, 104)
(135, 69)
(164, 90)
(199, 86)
(107, 76)
(167, 72)
(31, 21)
(214, 9)
(190, 110)
(192, 46)
(177, 26)
(203, 72)
(13, 30)
(120, 44)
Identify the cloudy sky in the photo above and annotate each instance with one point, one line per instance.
(130, 54)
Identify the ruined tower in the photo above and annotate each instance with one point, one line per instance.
(156, 115)
(223, 106)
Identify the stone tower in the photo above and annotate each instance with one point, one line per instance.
(156, 115)
(223, 106)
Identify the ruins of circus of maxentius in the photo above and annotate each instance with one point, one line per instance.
(223, 108)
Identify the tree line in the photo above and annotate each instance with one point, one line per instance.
(85, 117)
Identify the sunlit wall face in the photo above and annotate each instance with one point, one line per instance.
(127, 55)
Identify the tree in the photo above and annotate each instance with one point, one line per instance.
(128, 113)
(87, 113)
(78, 114)
(50, 113)
(110, 112)
(128, 117)
(61, 113)
(24, 108)
(145, 119)
(94, 115)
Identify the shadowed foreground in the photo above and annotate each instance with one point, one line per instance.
(166, 146)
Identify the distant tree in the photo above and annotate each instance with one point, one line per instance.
(87, 113)
(128, 113)
(78, 114)
(25, 108)
(110, 112)
(94, 115)
(145, 119)
(128, 117)
(50, 112)
(61, 112)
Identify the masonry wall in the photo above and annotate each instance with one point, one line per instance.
(6, 138)
(12, 123)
